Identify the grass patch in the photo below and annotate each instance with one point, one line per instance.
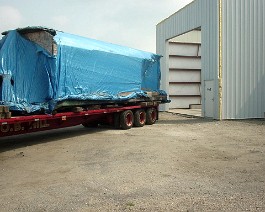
(130, 204)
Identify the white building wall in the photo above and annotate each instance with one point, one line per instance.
(191, 37)
(185, 49)
(243, 59)
(184, 74)
(185, 63)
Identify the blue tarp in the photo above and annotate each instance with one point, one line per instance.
(82, 69)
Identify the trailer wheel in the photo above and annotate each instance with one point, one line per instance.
(90, 125)
(139, 118)
(151, 114)
(126, 119)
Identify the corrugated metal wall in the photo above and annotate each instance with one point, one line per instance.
(200, 13)
(179, 23)
(243, 59)
(210, 53)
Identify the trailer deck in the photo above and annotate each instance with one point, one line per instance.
(120, 117)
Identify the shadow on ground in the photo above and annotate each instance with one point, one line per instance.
(184, 119)
(189, 119)
(18, 141)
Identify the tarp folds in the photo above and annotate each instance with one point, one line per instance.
(82, 69)
(24, 68)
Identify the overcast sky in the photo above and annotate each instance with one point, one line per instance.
(126, 22)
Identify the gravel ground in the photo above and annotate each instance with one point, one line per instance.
(178, 164)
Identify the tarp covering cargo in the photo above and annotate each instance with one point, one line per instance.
(41, 67)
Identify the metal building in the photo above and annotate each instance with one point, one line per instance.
(232, 55)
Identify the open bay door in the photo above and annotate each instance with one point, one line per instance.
(185, 70)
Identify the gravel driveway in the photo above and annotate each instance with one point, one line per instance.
(178, 164)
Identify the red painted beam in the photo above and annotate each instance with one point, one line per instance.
(35, 123)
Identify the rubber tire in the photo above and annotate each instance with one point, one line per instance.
(90, 125)
(126, 119)
(151, 116)
(139, 118)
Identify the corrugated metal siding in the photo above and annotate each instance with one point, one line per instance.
(179, 23)
(243, 59)
(243, 36)
(183, 21)
(200, 13)
(162, 49)
(210, 39)
(210, 50)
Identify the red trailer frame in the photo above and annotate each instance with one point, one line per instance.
(121, 117)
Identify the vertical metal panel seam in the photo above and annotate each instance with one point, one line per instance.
(220, 74)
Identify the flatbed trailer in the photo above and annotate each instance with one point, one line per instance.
(121, 117)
